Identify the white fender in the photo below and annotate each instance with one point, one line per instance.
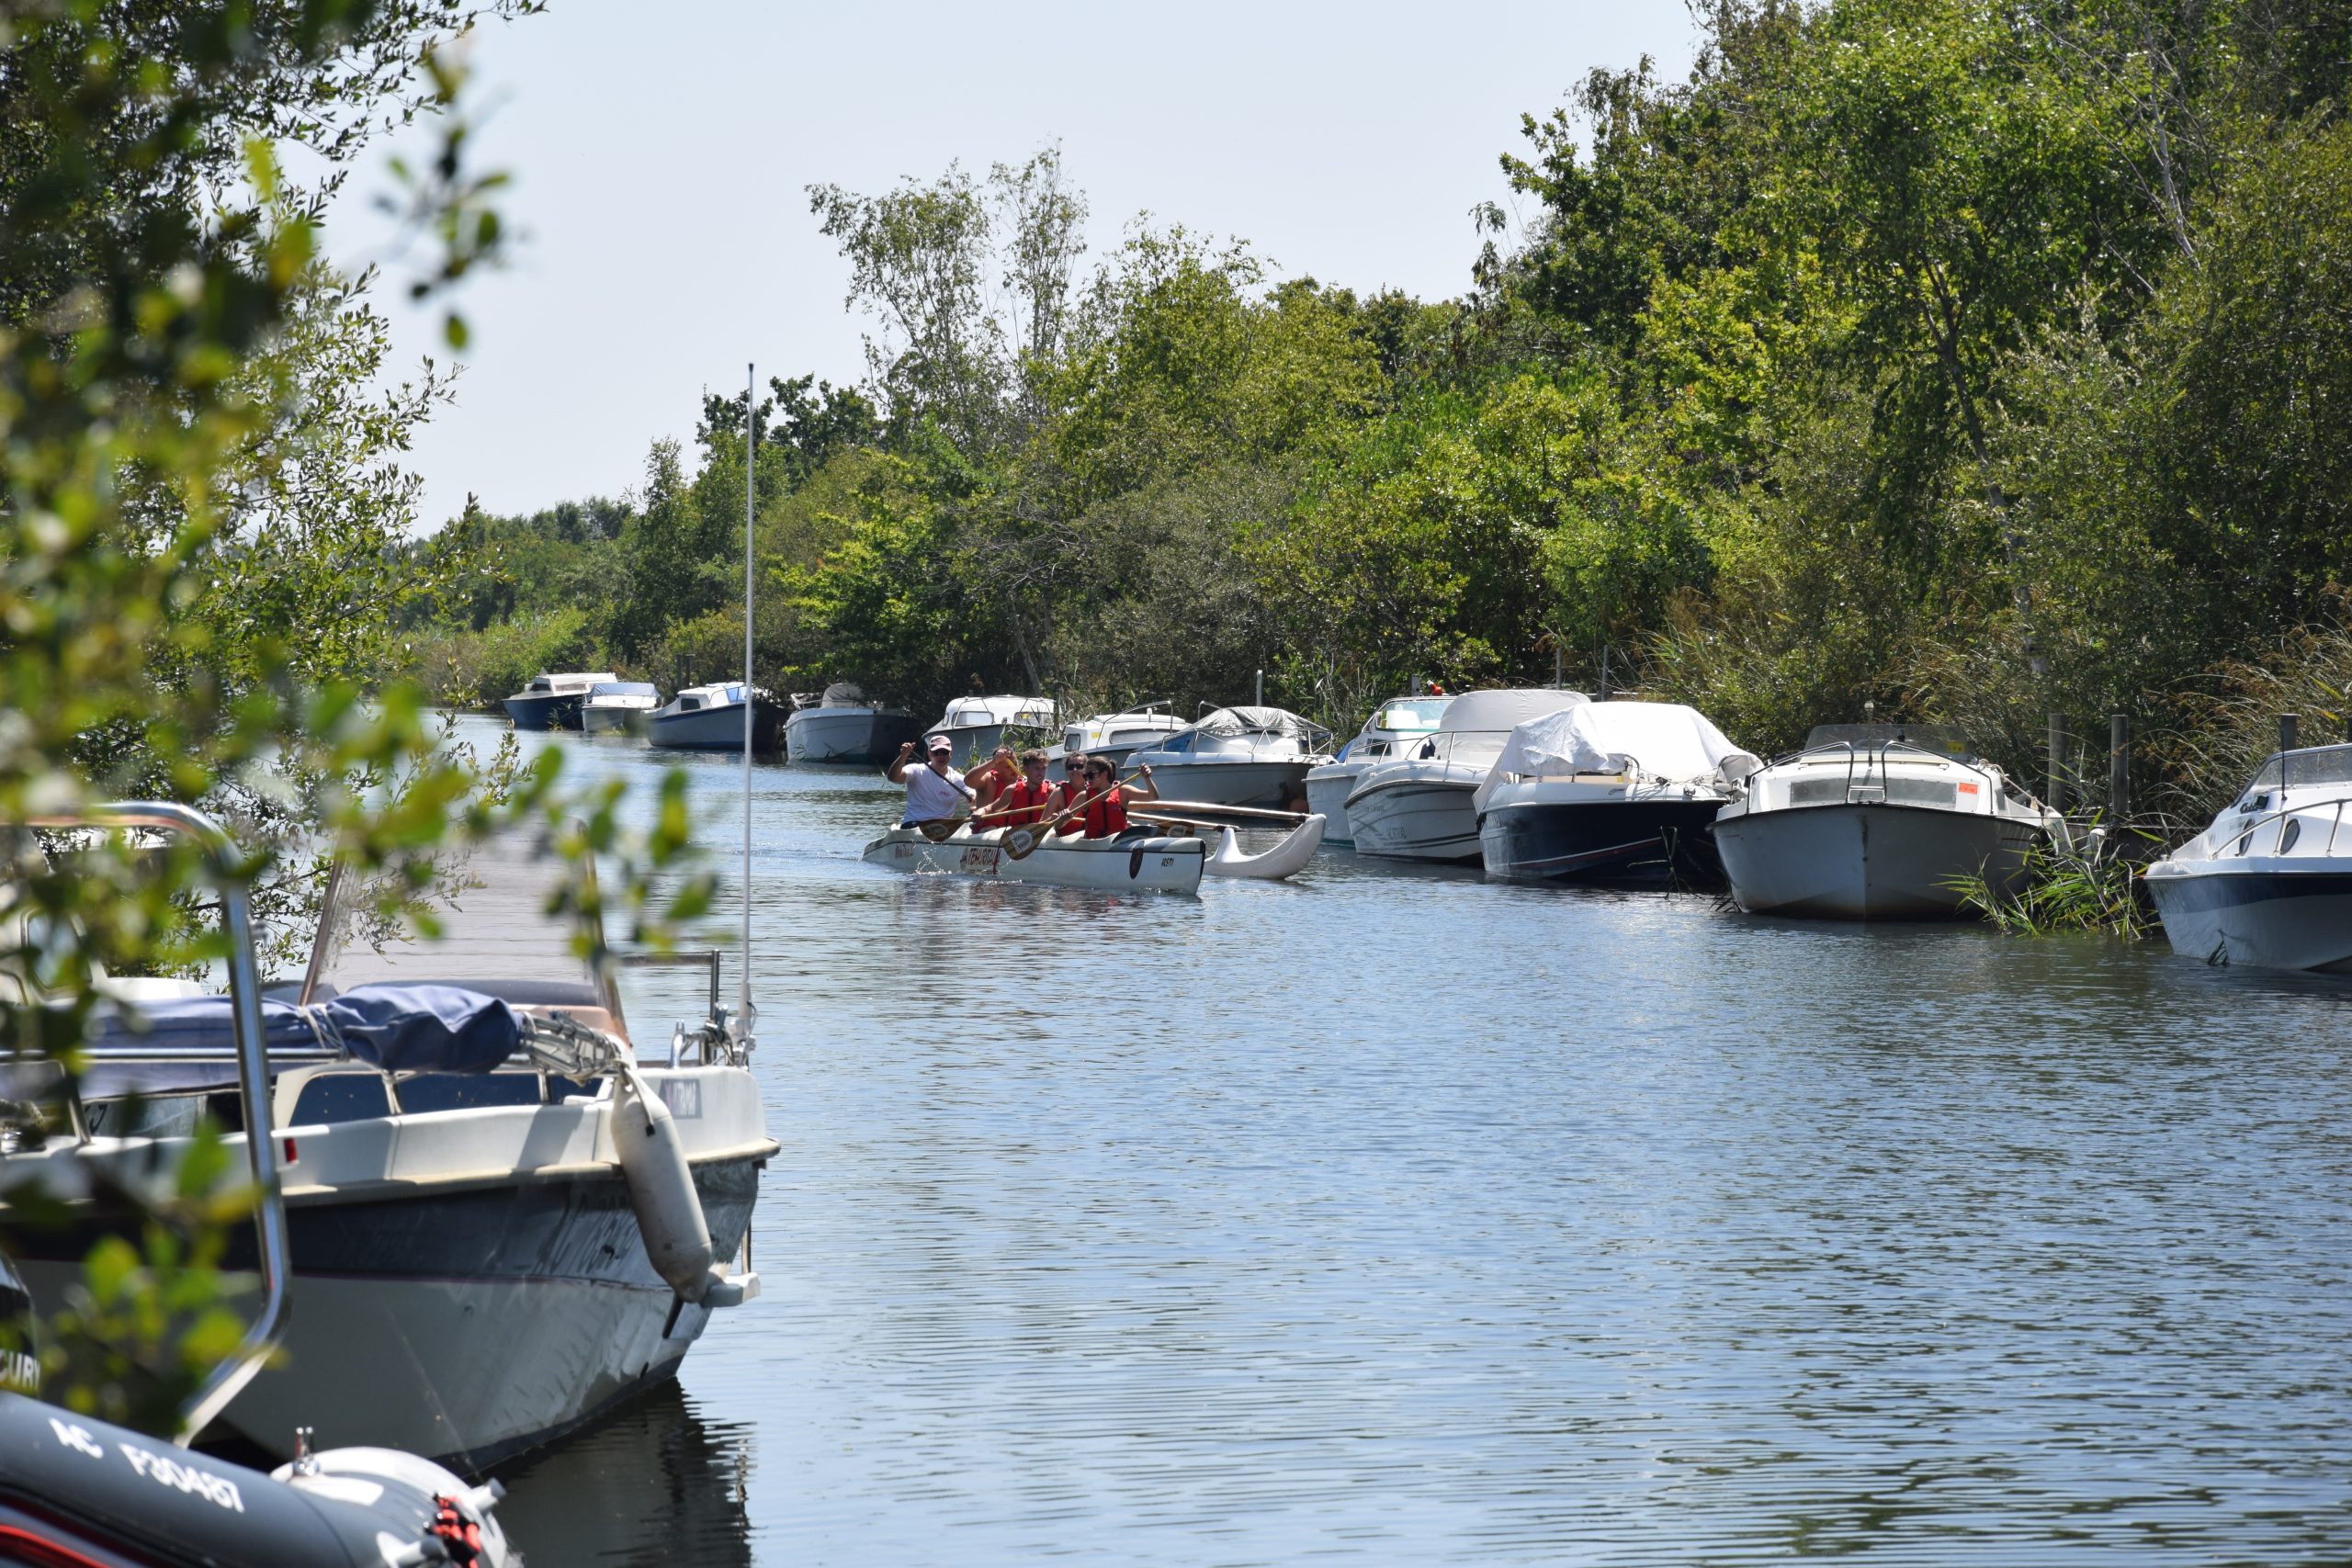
(661, 1188)
(1295, 849)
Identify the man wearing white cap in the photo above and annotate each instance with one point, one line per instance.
(935, 791)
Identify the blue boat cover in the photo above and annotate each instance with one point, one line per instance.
(414, 1028)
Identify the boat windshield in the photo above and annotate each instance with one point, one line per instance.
(1925, 736)
(1413, 716)
(2320, 766)
(490, 901)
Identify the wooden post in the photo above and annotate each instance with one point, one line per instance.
(2057, 801)
(2119, 769)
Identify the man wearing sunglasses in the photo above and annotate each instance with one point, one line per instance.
(1104, 815)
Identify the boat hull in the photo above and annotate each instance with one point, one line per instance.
(546, 712)
(1327, 788)
(2257, 914)
(1430, 819)
(1243, 782)
(1868, 861)
(1120, 864)
(1657, 843)
(718, 729)
(847, 734)
(511, 1311)
(597, 720)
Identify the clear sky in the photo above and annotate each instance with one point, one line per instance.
(660, 156)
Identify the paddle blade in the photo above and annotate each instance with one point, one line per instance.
(1019, 841)
(938, 831)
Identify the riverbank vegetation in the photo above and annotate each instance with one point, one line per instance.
(1978, 360)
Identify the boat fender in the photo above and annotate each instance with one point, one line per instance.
(662, 1189)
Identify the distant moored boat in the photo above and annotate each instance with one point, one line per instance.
(710, 718)
(552, 701)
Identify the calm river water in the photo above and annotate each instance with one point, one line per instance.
(1385, 1217)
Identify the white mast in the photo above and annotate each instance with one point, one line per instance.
(744, 1014)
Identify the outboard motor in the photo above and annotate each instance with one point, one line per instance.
(76, 1491)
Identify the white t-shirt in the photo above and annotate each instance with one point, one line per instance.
(930, 798)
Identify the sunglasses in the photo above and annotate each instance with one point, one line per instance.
(1073, 767)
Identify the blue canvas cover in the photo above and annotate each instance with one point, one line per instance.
(414, 1028)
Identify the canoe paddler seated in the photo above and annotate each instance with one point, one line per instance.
(935, 791)
(1027, 799)
(1104, 815)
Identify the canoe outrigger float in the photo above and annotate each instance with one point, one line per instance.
(1138, 858)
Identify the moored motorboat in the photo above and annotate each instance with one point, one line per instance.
(976, 727)
(1238, 756)
(1391, 725)
(1138, 859)
(1114, 737)
(1877, 822)
(554, 701)
(2269, 884)
(710, 718)
(1613, 792)
(843, 726)
(619, 707)
(1415, 803)
(467, 1165)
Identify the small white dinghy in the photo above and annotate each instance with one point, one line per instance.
(1292, 854)
(1137, 858)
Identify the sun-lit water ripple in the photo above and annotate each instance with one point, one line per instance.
(1392, 1218)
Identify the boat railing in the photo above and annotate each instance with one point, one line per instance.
(2241, 834)
(1875, 756)
(230, 1377)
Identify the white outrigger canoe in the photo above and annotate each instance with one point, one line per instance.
(1136, 859)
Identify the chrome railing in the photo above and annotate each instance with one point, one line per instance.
(229, 1379)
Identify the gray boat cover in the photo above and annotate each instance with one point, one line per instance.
(1229, 722)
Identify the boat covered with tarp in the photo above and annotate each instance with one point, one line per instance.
(1238, 756)
(1613, 792)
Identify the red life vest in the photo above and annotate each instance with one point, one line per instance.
(1104, 815)
(1025, 803)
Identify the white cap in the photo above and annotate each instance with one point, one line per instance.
(940, 743)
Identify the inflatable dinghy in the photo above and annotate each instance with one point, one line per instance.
(79, 1491)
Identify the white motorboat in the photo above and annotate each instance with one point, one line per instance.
(1611, 792)
(1116, 736)
(1415, 803)
(1876, 822)
(1241, 756)
(843, 726)
(1140, 858)
(1392, 724)
(2269, 884)
(619, 708)
(978, 725)
(710, 718)
(554, 701)
(485, 1220)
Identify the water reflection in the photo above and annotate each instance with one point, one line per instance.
(655, 1482)
(1395, 1216)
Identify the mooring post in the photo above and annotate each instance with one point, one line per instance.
(2118, 771)
(2057, 801)
(2286, 732)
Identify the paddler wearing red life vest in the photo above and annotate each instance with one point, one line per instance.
(1105, 811)
(1028, 799)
